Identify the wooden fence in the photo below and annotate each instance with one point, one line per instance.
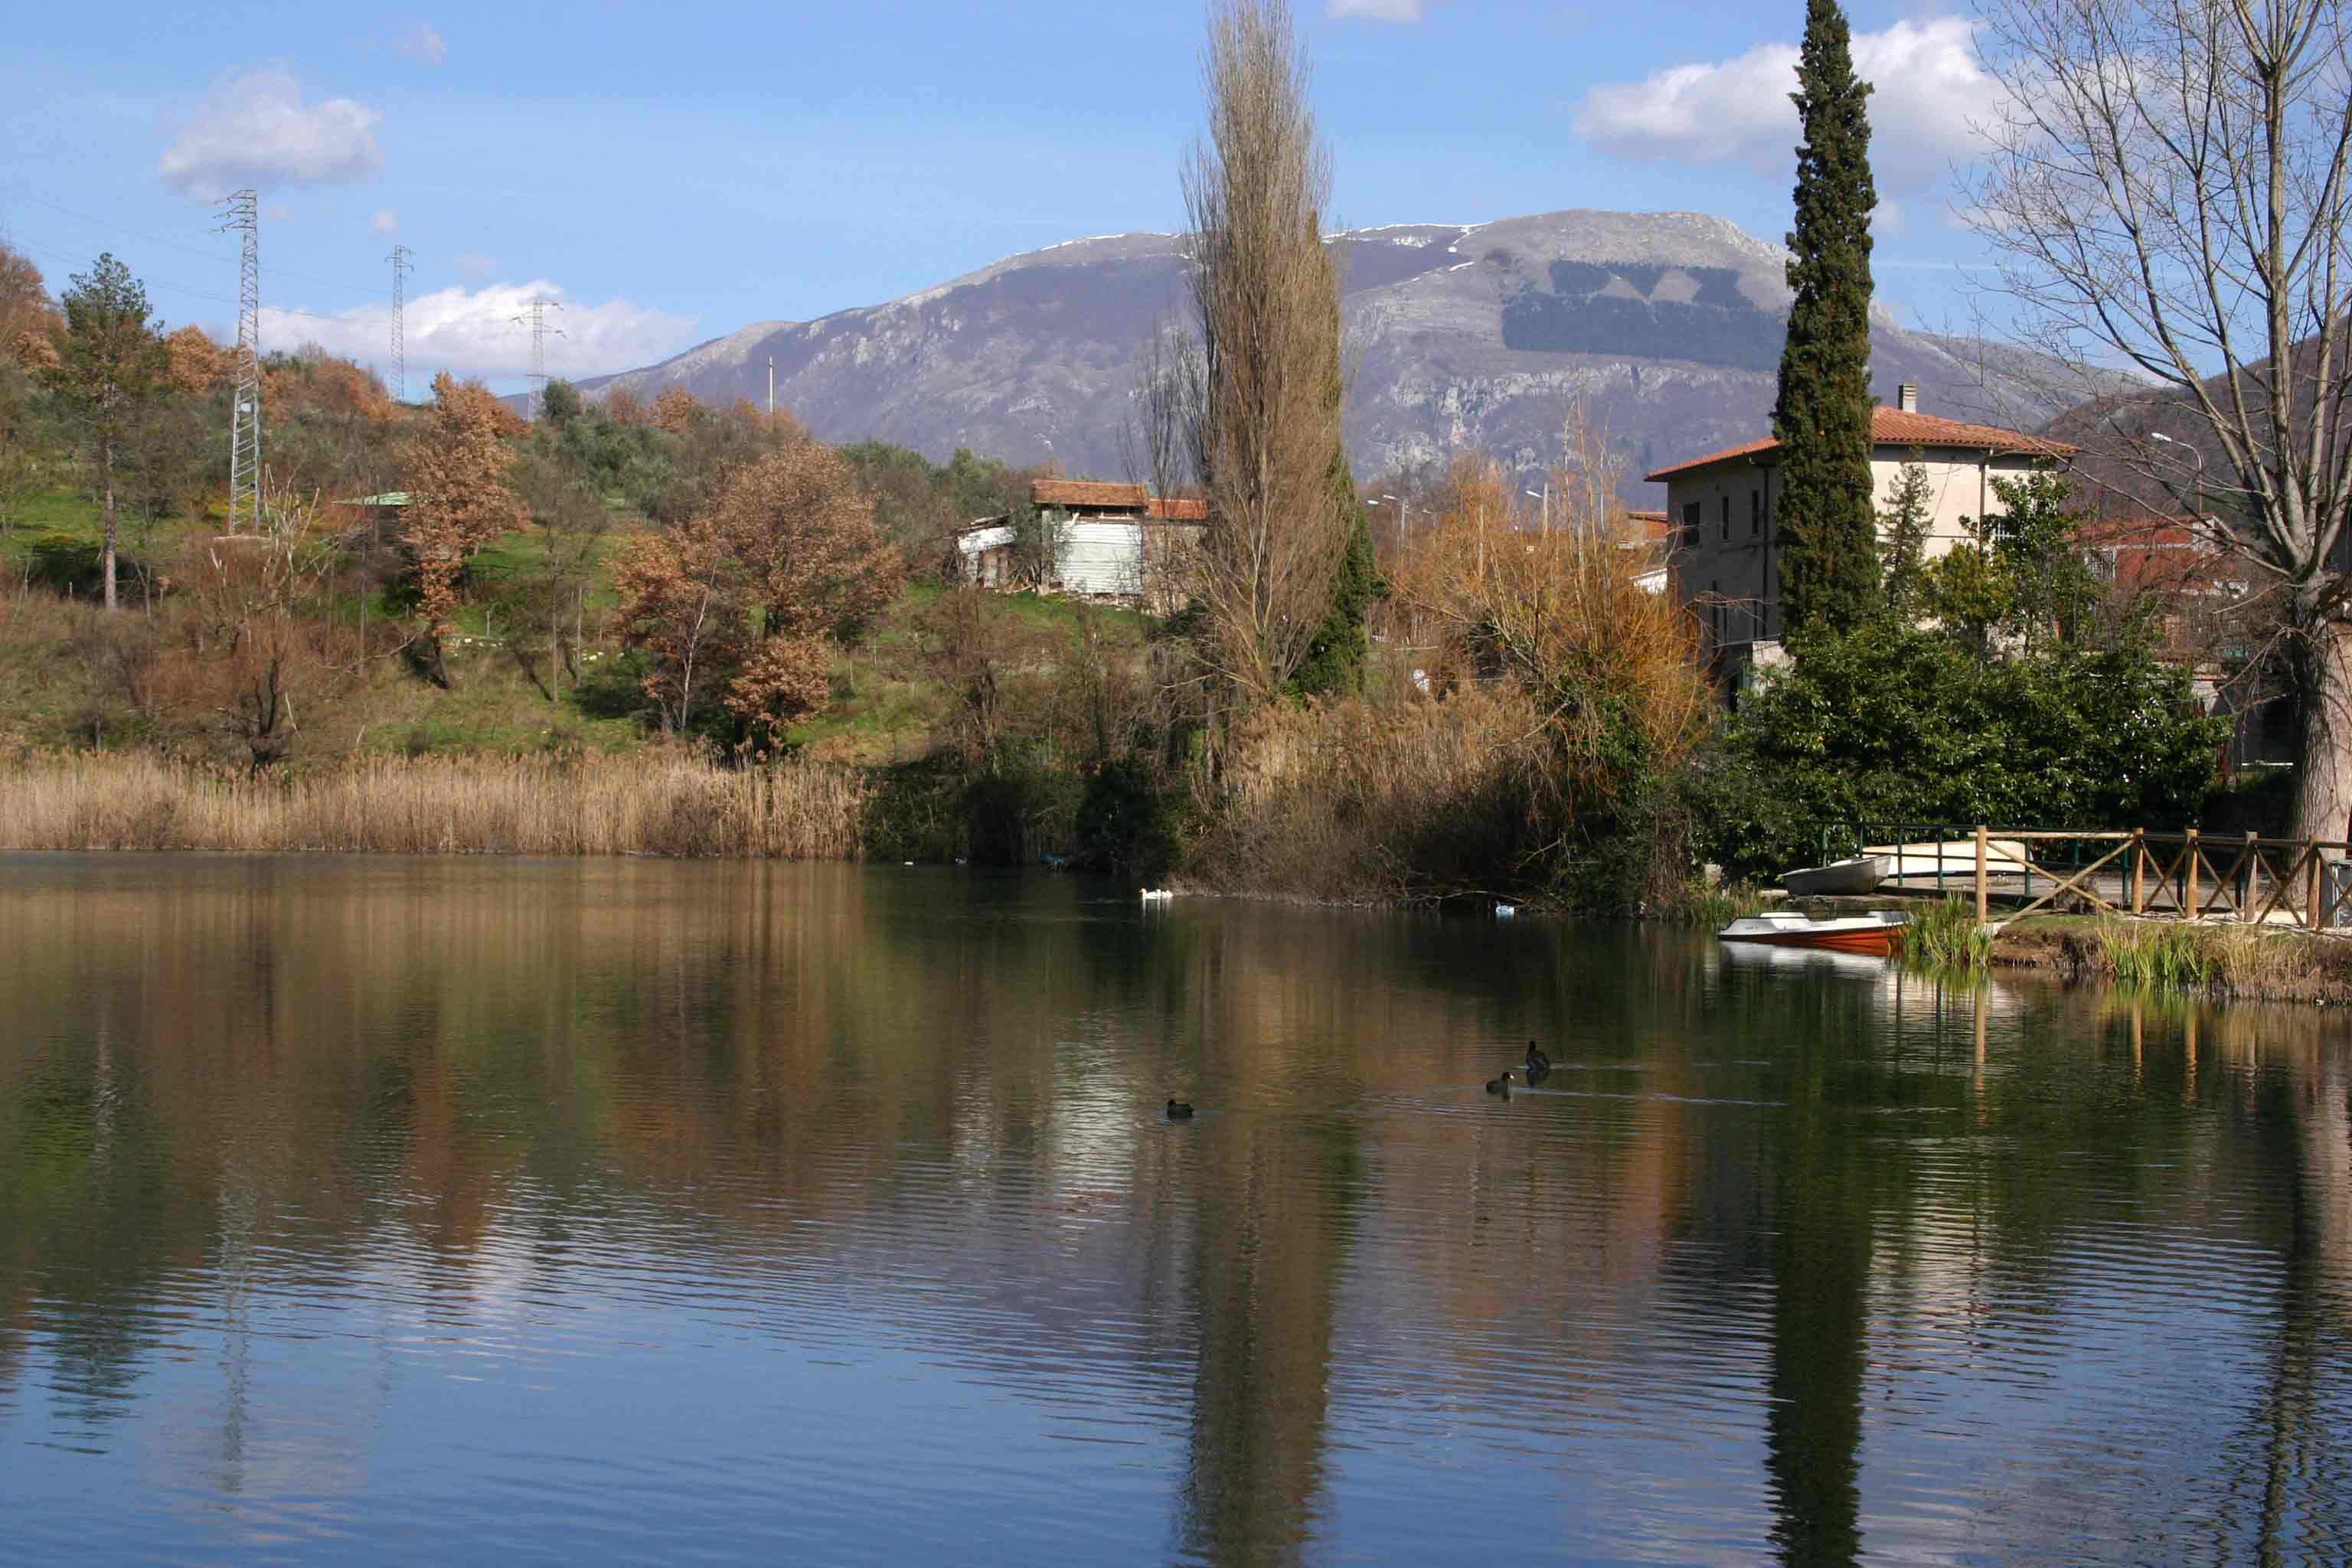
(2299, 882)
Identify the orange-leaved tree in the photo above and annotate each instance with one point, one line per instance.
(676, 409)
(457, 500)
(764, 585)
(620, 407)
(193, 363)
(26, 317)
(1569, 613)
(680, 608)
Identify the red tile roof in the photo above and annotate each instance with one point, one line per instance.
(2167, 554)
(1083, 492)
(1893, 427)
(1098, 493)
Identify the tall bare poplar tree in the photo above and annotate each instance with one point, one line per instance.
(2168, 182)
(1266, 421)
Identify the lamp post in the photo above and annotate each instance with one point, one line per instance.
(1546, 499)
(2199, 457)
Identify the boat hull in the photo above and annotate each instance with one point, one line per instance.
(1878, 943)
(1861, 875)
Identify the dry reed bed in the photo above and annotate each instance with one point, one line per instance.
(591, 805)
(1362, 804)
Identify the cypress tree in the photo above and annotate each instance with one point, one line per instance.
(1333, 665)
(1828, 521)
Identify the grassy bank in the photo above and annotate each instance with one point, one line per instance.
(648, 803)
(78, 677)
(2242, 963)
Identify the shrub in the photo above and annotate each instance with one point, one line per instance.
(1895, 725)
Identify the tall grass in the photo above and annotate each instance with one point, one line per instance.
(2158, 956)
(435, 805)
(1944, 938)
(1714, 905)
(2234, 960)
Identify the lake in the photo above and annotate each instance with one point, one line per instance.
(471, 1210)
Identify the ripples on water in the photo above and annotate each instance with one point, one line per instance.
(376, 1210)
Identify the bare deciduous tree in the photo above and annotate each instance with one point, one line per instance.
(2168, 184)
(256, 654)
(1261, 432)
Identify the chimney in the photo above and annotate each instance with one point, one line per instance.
(1906, 397)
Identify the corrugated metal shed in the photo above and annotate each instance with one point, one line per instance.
(1101, 558)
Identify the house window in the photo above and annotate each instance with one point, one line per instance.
(1690, 525)
(1727, 517)
(1754, 513)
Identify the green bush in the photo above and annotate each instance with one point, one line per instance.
(1127, 824)
(1896, 724)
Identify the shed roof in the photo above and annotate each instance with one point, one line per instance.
(1105, 494)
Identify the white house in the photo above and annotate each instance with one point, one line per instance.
(1109, 539)
(1726, 548)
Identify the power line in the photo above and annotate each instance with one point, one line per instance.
(189, 290)
(238, 216)
(153, 238)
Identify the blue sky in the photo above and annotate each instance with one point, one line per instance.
(672, 172)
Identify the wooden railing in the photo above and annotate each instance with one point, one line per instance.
(2298, 882)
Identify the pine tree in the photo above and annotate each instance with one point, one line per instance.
(107, 363)
(1829, 572)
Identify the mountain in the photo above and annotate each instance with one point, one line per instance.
(1666, 326)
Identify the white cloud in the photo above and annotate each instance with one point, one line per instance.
(1376, 10)
(386, 221)
(1927, 89)
(420, 41)
(256, 130)
(472, 332)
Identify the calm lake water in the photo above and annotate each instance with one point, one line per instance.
(483, 1210)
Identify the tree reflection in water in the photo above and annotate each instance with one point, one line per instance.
(841, 1174)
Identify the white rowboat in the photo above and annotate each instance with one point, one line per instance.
(1870, 933)
(1860, 874)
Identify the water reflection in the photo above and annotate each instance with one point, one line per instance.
(365, 1208)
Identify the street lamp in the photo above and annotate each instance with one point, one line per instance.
(2199, 457)
(1546, 499)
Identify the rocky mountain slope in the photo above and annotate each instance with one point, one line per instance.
(1666, 326)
